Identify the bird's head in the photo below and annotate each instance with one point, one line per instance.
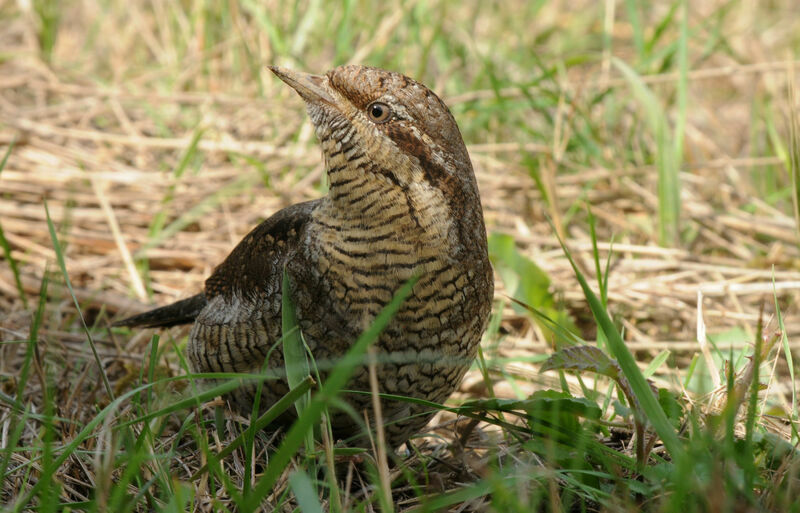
(388, 125)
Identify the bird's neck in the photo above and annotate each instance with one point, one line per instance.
(370, 236)
(368, 199)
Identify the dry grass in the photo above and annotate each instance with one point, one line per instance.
(100, 140)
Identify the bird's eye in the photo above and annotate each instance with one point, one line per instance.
(379, 112)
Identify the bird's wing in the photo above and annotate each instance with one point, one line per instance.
(258, 259)
(255, 262)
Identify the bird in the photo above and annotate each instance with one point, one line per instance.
(402, 201)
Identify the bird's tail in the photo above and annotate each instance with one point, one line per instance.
(180, 312)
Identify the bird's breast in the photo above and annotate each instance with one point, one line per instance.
(363, 262)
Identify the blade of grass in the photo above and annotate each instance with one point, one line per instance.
(235, 380)
(69, 450)
(49, 20)
(787, 353)
(667, 162)
(157, 224)
(794, 145)
(327, 393)
(656, 362)
(653, 51)
(283, 404)
(461, 495)
(6, 246)
(384, 485)
(18, 424)
(48, 499)
(602, 278)
(266, 25)
(151, 367)
(62, 264)
(294, 353)
(641, 389)
(682, 93)
(304, 492)
(632, 7)
(794, 162)
(33, 337)
(295, 361)
(88, 430)
(311, 18)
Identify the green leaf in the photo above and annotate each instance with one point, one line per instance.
(541, 400)
(583, 358)
(672, 407)
(527, 283)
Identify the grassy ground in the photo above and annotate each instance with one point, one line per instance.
(143, 139)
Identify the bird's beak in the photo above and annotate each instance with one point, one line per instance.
(311, 87)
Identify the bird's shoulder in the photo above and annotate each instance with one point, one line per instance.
(259, 257)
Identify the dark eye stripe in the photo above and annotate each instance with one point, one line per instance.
(409, 143)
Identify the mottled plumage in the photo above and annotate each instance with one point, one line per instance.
(403, 200)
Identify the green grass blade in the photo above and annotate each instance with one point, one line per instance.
(267, 26)
(49, 14)
(283, 404)
(33, 337)
(311, 17)
(669, 175)
(89, 429)
(794, 157)
(632, 7)
(641, 389)
(7, 247)
(18, 424)
(157, 236)
(461, 495)
(62, 264)
(188, 155)
(787, 352)
(666, 162)
(157, 224)
(657, 362)
(151, 367)
(683, 84)
(234, 381)
(327, 393)
(304, 492)
(68, 450)
(295, 359)
(294, 353)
